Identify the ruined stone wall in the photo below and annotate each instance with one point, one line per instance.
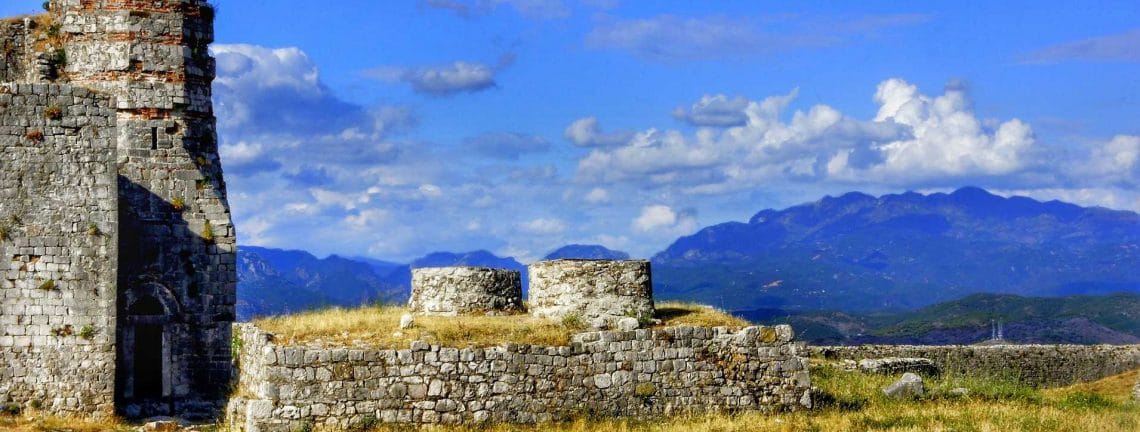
(636, 373)
(461, 290)
(58, 246)
(596, 292)
(1035, 365)
(13, 38)
(177, 276)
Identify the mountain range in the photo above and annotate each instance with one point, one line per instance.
(855, 254)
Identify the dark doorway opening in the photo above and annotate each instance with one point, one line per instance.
(148, 346)
(148, 361)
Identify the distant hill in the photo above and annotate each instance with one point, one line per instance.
(576, 251)
(857, 252)
(1076, 319)
(274, 281)
(379, 266)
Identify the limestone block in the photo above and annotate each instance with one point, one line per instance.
(595, 292)
(909, 386)
(1136, 390)
(465, 290)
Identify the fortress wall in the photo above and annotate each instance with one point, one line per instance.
(57, 182)
(1036, 365)
(609, 373)
(178, 241)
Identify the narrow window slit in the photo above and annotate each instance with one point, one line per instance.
(154, 138)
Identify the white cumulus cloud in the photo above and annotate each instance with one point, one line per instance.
(447, 79)
(1117, 160)
(715, 111)
(544, 226)
(659, 217)
(585, 132)
(914, 138)
(597, 196)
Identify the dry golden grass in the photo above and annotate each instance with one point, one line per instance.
(674, 313)
(1117, 387)
(34, 422)
(377, 326)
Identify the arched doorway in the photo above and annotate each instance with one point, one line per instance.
(147, 335)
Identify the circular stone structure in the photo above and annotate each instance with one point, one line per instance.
(597, 293)
(465, 290)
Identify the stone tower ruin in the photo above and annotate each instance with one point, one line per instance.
(120, 292)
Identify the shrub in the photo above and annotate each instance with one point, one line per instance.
(47, 5)
(645, 390)
(573, 321)
(59, 57)
(178, 204)
(10, 409)
(87, 332)
(235, 345)
(53, 30)
(208, 232)
(35, 135)
(53, 112)
(48, 285)
(93, 230)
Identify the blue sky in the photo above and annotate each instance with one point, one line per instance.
(395, 128)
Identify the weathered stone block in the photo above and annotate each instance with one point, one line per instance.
(597, 293)
(909, 386)
(465, 290)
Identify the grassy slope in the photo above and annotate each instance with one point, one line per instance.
(1119, 312)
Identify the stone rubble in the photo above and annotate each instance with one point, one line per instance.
(909, 386)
